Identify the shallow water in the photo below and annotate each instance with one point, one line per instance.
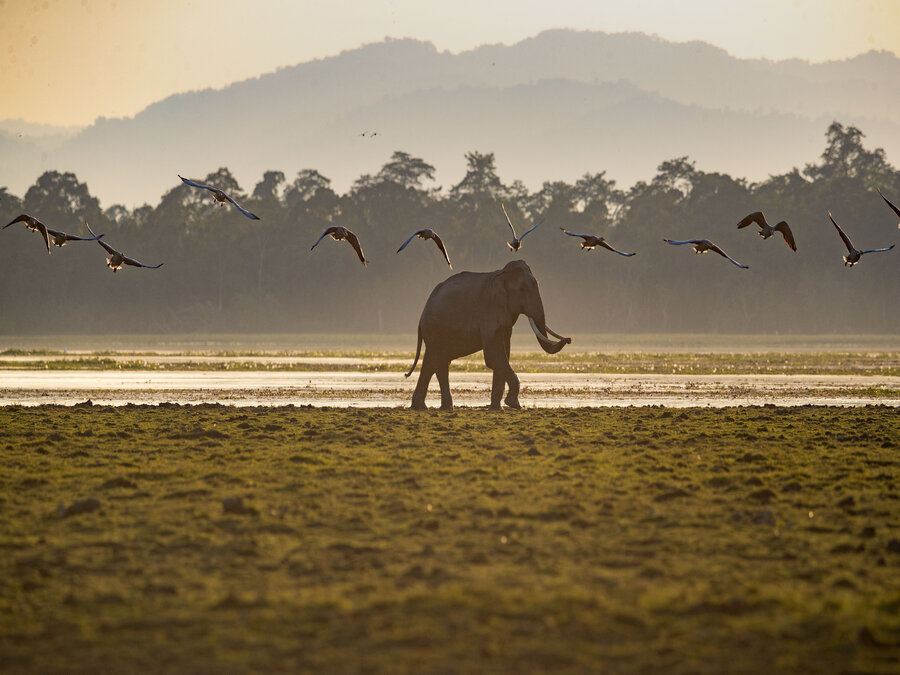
(363, 389)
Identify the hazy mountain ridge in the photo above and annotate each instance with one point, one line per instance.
(551, 107)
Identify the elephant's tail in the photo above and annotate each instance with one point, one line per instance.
(418, 351)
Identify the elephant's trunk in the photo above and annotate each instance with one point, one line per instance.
(540, 331)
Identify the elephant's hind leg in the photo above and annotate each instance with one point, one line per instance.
(418, 399)
(443, 376)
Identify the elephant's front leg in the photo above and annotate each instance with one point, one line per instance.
(495, 359)
(512, 398)
(497, 386)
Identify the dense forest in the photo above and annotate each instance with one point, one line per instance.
(223, 272)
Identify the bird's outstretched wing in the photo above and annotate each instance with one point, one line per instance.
(72, 237)
(755, 217)
(43, 230)
(328, 230)
(509, 222)
(135, 263)
(93, 234)
(45, 235)
(109, 249)
(412, 236)
(534, 227)
(844, 237)
(195, 184)
(24, 218)
(675, 242)
(889, 203)
(440, 245)
(572, 234)
(240, 208)
(714, 247)
(877, 250)
(354, 242)
(605, 245)
(785, 230)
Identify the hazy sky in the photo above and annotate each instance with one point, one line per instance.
(70, 61)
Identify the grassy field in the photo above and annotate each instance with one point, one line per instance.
(213, 539)
(522, 340)
(661, 363)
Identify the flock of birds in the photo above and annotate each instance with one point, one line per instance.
(117, 259)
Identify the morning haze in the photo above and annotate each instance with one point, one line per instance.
(550, 107)
(624, 135)
(212, 460)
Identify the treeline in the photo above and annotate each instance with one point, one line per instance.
(226, 273)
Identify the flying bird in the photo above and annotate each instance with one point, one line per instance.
(427, 233)
(58, 238)
(854, 254)
(337, 233)
(704, 245)
(590, 241)
(766, 230)
(516, 242)
(219, 196)
(116, 258)
(32, 224)
(891, 204)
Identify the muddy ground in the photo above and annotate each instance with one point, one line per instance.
(219, 539)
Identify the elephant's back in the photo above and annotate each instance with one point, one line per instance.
(455, 302)
(464, 286)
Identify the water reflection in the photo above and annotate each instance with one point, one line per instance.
(361, 389)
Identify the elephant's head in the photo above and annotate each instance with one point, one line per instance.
(514, 290)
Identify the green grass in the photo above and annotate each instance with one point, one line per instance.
(522, 338)
(712, 363)
(589, 540)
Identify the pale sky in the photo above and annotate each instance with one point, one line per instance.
(70, 61)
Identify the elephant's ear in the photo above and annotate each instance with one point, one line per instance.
(500, 293)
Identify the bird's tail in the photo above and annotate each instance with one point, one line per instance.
(418, 351)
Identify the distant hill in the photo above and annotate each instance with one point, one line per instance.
(550, 107)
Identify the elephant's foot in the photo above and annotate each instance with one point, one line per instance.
(513, 402)
(494, 406)
(418, 405)
(447, 406)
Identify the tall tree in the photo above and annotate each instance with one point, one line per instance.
(269, 190)
(597, 198)
(305, 186)
(406, 170)
(846, 157)
(481, 179)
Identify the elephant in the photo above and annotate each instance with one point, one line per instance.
(473, 311)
